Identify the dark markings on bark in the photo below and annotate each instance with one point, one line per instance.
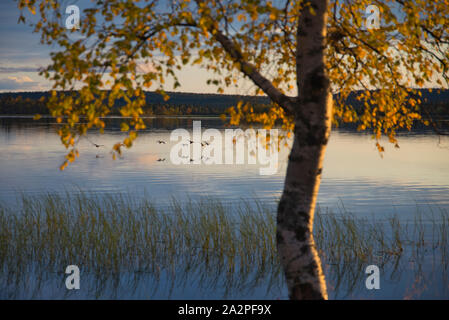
(279, 238)
(301, 233)
(315, 86)
(281, 205)
(304, 250)
(313, 52)
(312, 136)
(296, 221)
(315, 136)
(294, 158)
(296, 185)
(310, 268)
(307, 21)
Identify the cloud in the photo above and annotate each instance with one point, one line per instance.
(146, 67)
(22, 79)
(19, 83)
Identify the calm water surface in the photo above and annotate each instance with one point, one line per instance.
(356, 179)
(354, 175)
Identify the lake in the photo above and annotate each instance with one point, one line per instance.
(406, 182)
(354, 173)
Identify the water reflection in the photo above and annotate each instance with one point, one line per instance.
(206, 249)
(354, 173)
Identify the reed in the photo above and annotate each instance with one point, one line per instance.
(220, 245)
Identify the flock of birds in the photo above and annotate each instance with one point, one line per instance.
(203, 143)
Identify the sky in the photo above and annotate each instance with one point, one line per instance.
(21, 55)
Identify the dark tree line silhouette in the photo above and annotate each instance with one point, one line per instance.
(30, 103)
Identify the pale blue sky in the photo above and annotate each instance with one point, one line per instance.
(20, 53)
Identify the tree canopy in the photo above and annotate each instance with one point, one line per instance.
(129, 46)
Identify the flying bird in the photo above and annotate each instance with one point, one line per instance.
(161, 142)
(95, 144)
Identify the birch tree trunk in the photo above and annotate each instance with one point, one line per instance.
(313, 109)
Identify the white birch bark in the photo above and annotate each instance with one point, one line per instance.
(313, 109)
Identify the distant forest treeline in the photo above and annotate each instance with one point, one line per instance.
(29, 103)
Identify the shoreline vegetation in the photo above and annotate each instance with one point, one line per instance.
(179, 104)
(198, 104)
(121, 243)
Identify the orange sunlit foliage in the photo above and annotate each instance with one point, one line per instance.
(408, 50)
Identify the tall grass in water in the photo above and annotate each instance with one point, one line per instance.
(110, 235)
(226, 247)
